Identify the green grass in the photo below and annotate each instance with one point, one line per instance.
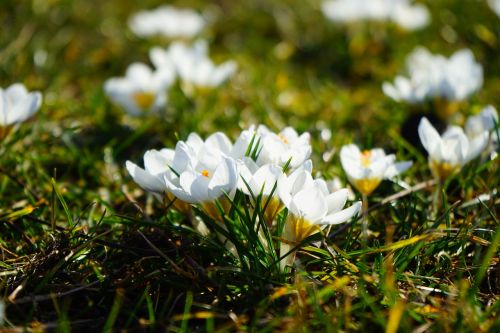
(83, 248)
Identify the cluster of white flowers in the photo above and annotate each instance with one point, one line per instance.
(17, 104)
(167, 21)
(435, 76)
(277, 168)
(200, 170)
(402, 12)
(143, 89)
(192, 64)
(274, 166)
(452, 150)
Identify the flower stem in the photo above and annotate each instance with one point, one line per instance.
(436, 200)
(364, 219)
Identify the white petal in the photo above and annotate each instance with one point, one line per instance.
(144, 179)
(397, 168)
(186, 180)
(429, 137)
(23, 108)
(303, 180)
(16, 91)
(246, 169)
(220, 142)
(311, 204)
(391, 91)
(477, 146)
(155, 162)
(336, 201)
(306, 166)
(200, 190)
(320, 184)
(139, 73)
(343, 215)
(265, 179)
(349, 157)
(182, 157)
(195, 141)
(160, 58)
(224, 179)
(242, 144)
(284, 190)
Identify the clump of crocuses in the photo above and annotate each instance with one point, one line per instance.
(272, 169)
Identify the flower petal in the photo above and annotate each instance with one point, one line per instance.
(144, 179)
(336, 201)
(311, 204)
(397, 168)
(343, 215)
(429, 137)
(224, 179)
(157, 162)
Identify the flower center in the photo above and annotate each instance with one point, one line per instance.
(283, 138)
(442, 170)
(366, 157)
(205, 173)
(143, 99)
(300, 228)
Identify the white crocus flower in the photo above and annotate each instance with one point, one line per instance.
(141, 90)
(17, 104)
(193, 65)
(273, 148)
(203, 173)
(450, 151)
(402, 12)
(261, 181)
(283, 147)
(167, 21)
(366, 169)
(495, 6)
(311, 207)
(486, 120)
(436, 77)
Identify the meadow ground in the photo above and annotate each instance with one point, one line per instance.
(85, 248)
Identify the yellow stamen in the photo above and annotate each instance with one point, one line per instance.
(143, 99)
(205, 173)
(366, 156)
(283, 138)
